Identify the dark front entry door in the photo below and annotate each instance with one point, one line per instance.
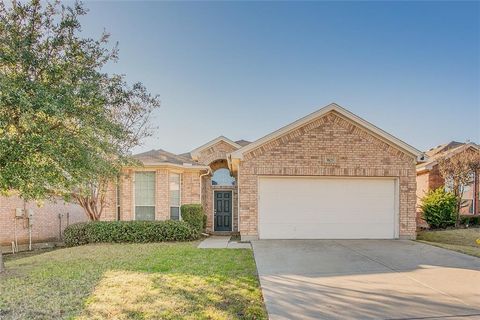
(223, 210)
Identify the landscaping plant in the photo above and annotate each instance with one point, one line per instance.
(438, 208)
(128, 232)
(194, 215)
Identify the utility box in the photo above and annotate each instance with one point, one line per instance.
(19, 213)
(30, 215)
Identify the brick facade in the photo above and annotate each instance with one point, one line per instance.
(208, 204)
(431, 180)
(189, 192)
(49, 220)
(303, 152)
(215, 153)
(216, 157)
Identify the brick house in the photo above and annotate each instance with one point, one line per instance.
(429, 177)
(330, 175)
(47, 222)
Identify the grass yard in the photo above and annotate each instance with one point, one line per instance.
(461, 240)
(132, 281)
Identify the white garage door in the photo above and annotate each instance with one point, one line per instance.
(326, 208)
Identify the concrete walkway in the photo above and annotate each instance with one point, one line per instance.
(366, 279)
(222, 242)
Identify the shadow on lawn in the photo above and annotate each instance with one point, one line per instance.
(132, 281)
(137, 295)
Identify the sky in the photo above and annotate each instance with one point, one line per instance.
(245, 69)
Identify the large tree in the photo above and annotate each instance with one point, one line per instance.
(65, 125)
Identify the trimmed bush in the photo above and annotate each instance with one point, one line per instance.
(438, 207)
(75, 235)
(128, 232)
(194, 215)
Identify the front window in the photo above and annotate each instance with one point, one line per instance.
(144, 195)
(174, 186)
(222, 177)
(467, 205)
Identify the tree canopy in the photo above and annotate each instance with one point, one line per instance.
(63, 122)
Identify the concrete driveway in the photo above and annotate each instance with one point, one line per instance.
(366, 279)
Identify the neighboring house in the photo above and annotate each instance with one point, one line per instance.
(47, 222)
(429, 177)
(328, 175)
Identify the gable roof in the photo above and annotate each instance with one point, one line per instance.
(444, 151)
(194, 153)
(157, 157)
(242, 142)
(442, 148)
(238, 154)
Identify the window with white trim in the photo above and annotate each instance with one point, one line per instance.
(174, 187)
(145, 195)
(222, 177)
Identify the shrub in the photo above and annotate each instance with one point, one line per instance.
(74, 234)
(438, 207)
(128, 231)
(468, 220)
(194, 215)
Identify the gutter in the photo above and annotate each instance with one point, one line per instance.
(201, 179)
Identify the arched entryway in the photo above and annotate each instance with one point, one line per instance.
(220, 199)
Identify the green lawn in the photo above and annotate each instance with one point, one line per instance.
(461, 240)
(132, 281)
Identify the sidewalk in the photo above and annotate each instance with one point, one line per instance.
(222, 242)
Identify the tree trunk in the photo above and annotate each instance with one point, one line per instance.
(457, 221)
(459, 206)
(2, 266)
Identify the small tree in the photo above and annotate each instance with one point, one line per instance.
(458, 172)
(131, 108)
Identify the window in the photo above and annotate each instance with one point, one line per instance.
(144, 195)
(222, 177)
(174, 186)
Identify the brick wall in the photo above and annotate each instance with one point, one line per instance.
(216, 152)
(215, 157)
(422, 185)
(428, 180)
(422, 189)
(190, 188)
(45, 223)
(208, 203)
(435, 179)
(304, 151)
(190, 192)
(431, 180)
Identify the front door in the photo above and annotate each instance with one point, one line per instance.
(223, 210)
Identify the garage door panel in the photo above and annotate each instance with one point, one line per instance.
(326, 208)
(327, 231)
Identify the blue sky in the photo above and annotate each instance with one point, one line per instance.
(245, 69)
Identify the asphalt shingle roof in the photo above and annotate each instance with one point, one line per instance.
(162, 156)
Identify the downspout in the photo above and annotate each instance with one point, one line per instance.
(238, 199)
(201, 180)
(230, 166)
